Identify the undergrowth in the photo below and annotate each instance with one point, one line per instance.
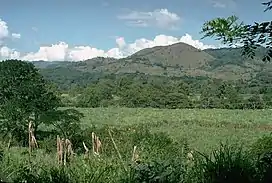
(161, 159)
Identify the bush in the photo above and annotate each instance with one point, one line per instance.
(79, 171)
(1, 152)
(264, 167)
(228, 164)
(52, 175)
(48, 144)
(149, 145)
(262, 150)
(161, 159)
(158, 171)
(262, 145)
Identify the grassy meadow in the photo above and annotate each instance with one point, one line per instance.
(203, 128)
(164, 139)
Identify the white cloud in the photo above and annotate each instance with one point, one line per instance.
(160, 40)
(161, 18)
(3, 30)
(55, 52)
(62, 51)
(7, 53)
(223, 3)
(84, 53)
(16, 35)
(121, 43)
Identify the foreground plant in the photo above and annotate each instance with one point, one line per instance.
(228, 164)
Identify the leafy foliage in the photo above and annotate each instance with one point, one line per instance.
(268, 4)
(264, 166)
(172, 93)
(66, 122)
(227, 164)
(262, 146)
(250, 36)
(155, 172)
(24, 94)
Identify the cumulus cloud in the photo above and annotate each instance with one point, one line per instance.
(54, 52)
(85, 52)
(161, 18)
(3, 30)
(62, 51)
(120, 41)
(6, 52)
(16, 35)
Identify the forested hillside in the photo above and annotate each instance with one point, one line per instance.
(177, 60)
(175, 76)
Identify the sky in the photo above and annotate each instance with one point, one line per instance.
(75, 30)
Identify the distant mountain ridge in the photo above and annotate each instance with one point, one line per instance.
(178, 60)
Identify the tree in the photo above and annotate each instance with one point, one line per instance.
(66, 122)
(229, 97)
(208, 98)
(255, 102)
(93, 95)
(24, 94)
(249, 36)
(177, 101)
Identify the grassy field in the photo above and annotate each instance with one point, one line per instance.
(203, 129)
(159, 156)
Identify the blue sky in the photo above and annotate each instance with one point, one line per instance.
(99, 24)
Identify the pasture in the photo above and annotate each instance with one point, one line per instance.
(159, 157)
(202, 128)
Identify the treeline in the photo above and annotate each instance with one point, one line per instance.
(164, 92)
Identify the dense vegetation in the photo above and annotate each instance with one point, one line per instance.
(175, 76)
(141, 150)
(139, 90)
(158, 156)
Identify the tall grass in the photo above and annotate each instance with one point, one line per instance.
(227, 164)
(108, 166)
(166, 152)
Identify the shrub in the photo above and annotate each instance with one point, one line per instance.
(262, 150)
(52, 175)
(156, 172)
(228, 164)
(264, 166)
(262, 145)
(1, 152)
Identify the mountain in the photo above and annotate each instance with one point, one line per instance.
(50, 64)
(176, 55)
(230, 64)
(177, 60)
